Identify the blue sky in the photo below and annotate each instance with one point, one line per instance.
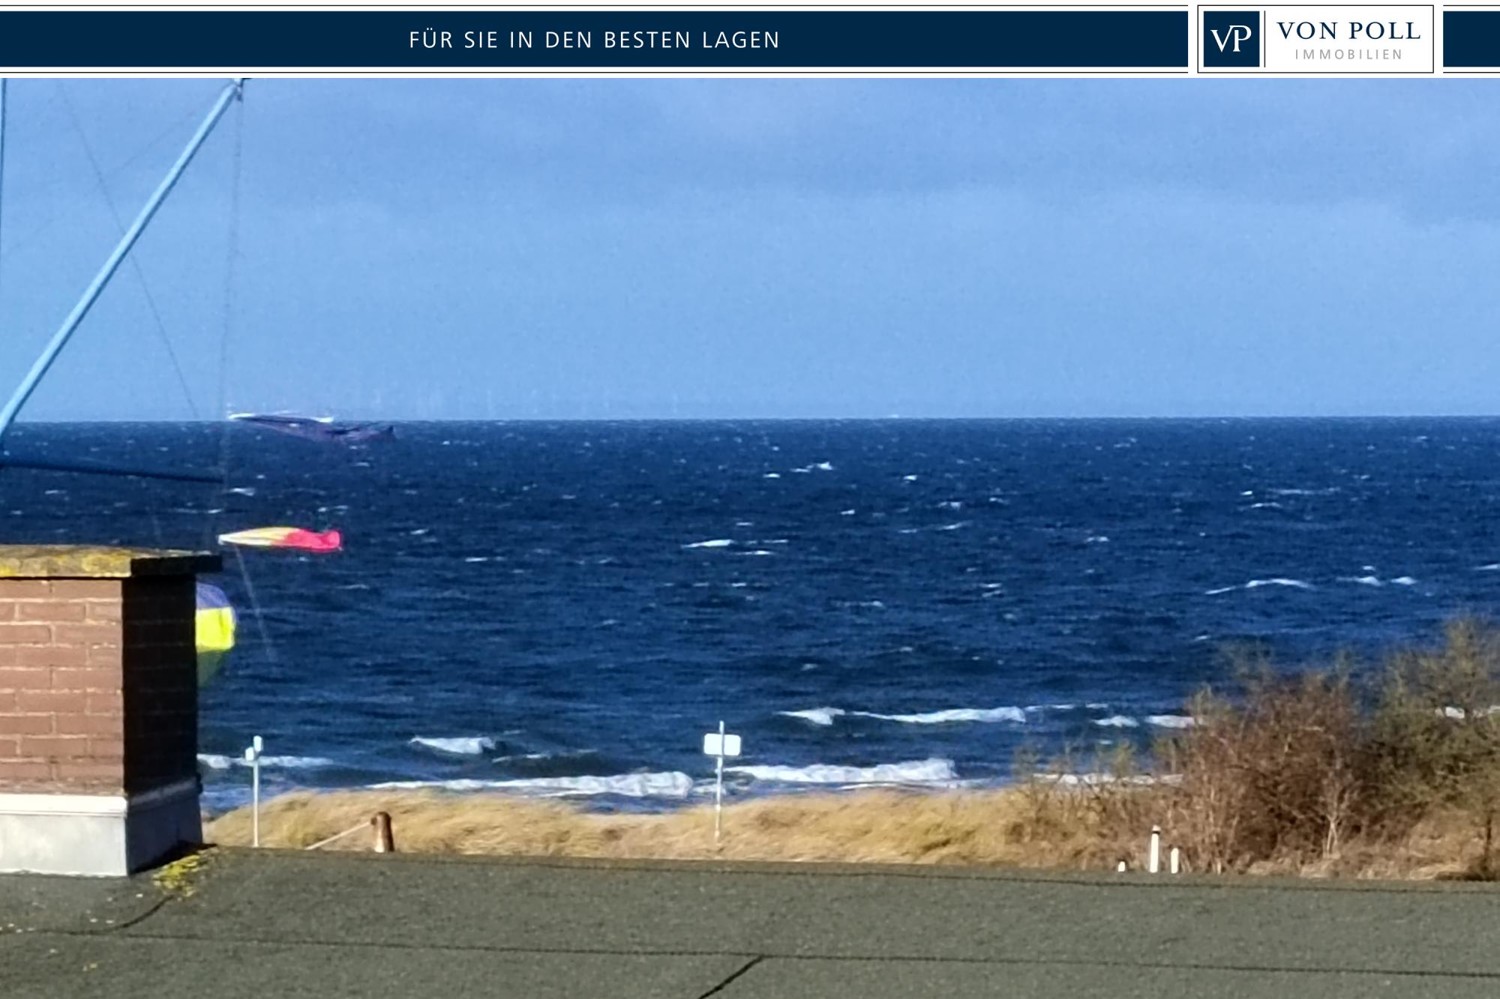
(413, 249)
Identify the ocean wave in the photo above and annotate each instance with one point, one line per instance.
(1171, 721)
(1104, 780)
(818, 716)
(826, 715)
(713, 543)
(911, 772)
(456, 745)
(1256, 584)
(215, 761)
(667, 784)
(1117, 721)
(1004, 714)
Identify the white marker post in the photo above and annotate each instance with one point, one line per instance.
(1153, 856)
(252, 757)
(720, 745)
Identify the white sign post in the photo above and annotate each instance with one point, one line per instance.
(720, 745)
(252, 757)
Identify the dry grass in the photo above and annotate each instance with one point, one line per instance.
(1033, 826)
(1303, 774)
(993, 827)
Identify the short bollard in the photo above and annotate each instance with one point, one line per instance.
(1174, 861)
(1153, 858)
(385, 842)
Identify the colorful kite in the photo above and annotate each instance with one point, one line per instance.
(215, 631)
(318, 428)
(285, 537)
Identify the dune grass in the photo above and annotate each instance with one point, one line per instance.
(1301, 772)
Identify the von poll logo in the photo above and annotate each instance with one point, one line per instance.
(1231, 39)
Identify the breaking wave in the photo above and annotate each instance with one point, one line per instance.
(913, 772)
(458, 745)
(668, 784)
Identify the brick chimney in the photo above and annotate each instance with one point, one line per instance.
(98, 707)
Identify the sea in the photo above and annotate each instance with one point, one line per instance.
(566, 609)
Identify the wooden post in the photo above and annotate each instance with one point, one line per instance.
(384, 841)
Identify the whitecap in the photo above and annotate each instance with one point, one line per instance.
(908, 478)
(1403, 581)
(1117, 721)
(771, 475)
(714, 543)
(758, 551)
(669, 784)
(1102, 780)
(458, 745)
(292, 762)
(824, 466)
(1256, 584)
(214, 761)
(476, 558)
(1004, 714)
(243, 490)
(818, 716)
(1492, 567)
(846, 513)
(913, 772)
(1171, 721)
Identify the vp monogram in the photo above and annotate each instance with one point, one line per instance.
(1231, 39)
(1235, 34)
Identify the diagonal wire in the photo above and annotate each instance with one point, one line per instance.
(161, 328)
(49, 220)
(231, 270)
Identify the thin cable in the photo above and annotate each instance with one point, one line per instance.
(135, 264)
(173, 129)
(260, 618)
(231, 274)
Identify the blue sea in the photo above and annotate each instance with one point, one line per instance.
(564, 609)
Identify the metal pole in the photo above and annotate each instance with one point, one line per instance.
(253, 756)
(59, 339)
(719, 787)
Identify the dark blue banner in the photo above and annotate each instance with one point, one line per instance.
(627, 39)
(1471, 38)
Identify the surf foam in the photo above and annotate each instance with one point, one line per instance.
(456, 745)
(911, 772)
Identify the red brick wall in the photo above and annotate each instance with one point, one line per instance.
(98, 688)
(61, 714)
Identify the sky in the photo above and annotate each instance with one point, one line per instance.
(715, 248)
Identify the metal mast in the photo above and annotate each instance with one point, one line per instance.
(230, 93)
